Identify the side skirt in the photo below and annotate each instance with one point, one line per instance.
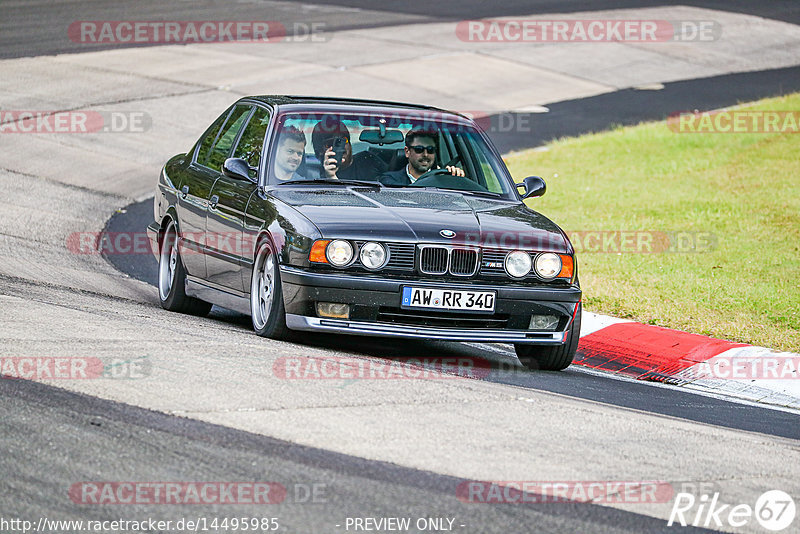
(224, 298)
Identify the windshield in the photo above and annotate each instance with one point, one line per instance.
(392, 150)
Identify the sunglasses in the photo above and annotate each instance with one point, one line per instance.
(419, 149)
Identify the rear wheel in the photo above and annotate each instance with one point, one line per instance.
(172, 278)
(552, 358)
(266, 297)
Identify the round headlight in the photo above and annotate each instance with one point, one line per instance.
(339, 252)
(548, 265)
(372, 255)
(518, 263)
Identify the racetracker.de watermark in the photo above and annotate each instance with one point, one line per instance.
(766, 367)
(588, 31)
(73, 122)
(573, 491)
(344, 368)
(583, 241)
(594, 241)
(134, 243)
(194, 31)
(177, 493)
(735, 122)
(74, 368)
(642, 241)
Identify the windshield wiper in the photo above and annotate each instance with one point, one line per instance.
(487, 194)
(333, 181)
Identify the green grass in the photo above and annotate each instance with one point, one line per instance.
(742, 189)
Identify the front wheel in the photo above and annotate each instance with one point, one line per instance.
(266, 298)
(172, 278)
(552, 358)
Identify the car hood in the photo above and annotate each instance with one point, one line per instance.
(421, 216)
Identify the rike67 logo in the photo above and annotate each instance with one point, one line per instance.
(774, 510)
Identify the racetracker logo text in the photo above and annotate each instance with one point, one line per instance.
(177, 493)
(74, 368)
(193, 31)
(770, 366)
(574, 491)
(735, 122)
(587, 31)
(595, 241)
(73, 122)
(342, 368)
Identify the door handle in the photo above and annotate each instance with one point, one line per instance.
(214, 200)
(184, 191)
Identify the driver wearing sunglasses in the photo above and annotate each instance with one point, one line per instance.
(420, 150)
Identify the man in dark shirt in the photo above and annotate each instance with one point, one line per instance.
(421, 154)
(362, 166)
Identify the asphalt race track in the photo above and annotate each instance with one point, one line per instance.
(26, 28)
(209, 406)
(188, 450)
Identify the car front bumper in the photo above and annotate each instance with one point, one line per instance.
(375, 309)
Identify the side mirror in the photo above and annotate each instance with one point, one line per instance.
(236, 168)
(534, 187)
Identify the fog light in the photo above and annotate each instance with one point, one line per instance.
(334, 310)
(543, 322)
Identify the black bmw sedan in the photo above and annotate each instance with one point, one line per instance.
(366, 218)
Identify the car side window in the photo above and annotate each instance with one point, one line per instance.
(227, 136)
(252, 140)
(208, 140)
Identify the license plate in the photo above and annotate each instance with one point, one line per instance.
(447, 299)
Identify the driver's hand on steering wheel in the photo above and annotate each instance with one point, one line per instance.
(455, 171)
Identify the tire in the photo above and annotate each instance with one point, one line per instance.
(266, 297)
(172, 278)
(536, 357)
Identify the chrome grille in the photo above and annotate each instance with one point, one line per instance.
(401, 256)
(433, 260)
(443, 260)
(463, 261)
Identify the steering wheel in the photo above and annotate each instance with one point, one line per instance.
(443, 179)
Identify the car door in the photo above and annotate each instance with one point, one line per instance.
(196, 186)
(228, 205)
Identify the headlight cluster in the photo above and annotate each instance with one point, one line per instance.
(374, 256)
(518, 264)
(340, 253)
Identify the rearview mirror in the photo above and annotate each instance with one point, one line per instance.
(381, 137)
(236, 168)
(534, 187)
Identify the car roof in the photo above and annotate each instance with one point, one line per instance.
(298, 103)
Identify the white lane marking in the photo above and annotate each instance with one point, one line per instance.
(729, 395)
(702, 393)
